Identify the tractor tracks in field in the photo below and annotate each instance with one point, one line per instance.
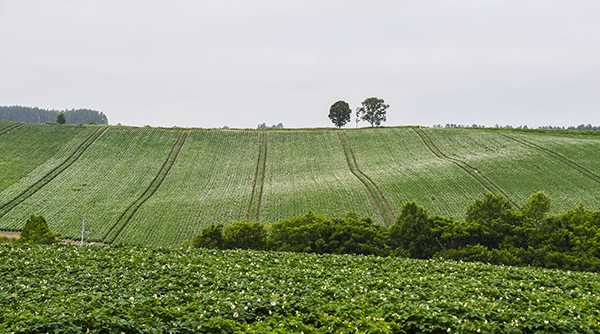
(128, 214)
(572, 164)
(260, 137)
(474, 173)
(262, 181)
(10, 128)
(261, 162)
(379, 200)
(51, 175)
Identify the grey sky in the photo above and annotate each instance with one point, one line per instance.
(241, 63)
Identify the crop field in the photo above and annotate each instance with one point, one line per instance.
(100, 289)
(29, 146)
(308, 171)
(576, 151)
(204, 186)
(144, 186)
(400, 164)
(101, 184)
(518, 170)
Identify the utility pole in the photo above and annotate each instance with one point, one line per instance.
(83, 230)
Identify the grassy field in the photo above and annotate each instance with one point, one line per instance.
(149, 186)
(66, 289)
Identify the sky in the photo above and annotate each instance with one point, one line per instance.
(209, 64)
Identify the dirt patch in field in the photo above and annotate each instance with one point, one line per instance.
(9, 234)
(17, 234)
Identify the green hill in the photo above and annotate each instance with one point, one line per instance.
(146, 186)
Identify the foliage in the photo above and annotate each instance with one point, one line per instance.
(487, 209)
(339, 113)
(312, 233)
(8, 240)
(70, 289)
(373, 111)
(264, 126)
(308, 233)
(537, 207)
(36, 231)
(210, 237)
(37, 115)
(60, 119)
(244, 235)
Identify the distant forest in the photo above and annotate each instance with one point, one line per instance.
(37, 115)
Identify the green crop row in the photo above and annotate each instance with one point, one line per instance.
(518, 169)
(64, 289)
(210, 182)
(213, 178)
(403, 167)
(28, 146)
(112, 173)
(308, 171)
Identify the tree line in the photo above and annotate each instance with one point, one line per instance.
(37, 115)
(492, 231)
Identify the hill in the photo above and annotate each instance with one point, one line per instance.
(145, 186)
(66, 289)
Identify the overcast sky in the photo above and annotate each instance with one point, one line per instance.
(240, 63)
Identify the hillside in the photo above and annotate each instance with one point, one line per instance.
(145, 186)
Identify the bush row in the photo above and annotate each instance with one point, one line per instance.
(492, 231)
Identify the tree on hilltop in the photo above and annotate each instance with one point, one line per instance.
(339, 113)
(60, 119)
(373, 111)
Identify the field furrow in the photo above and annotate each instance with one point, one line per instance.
(404, 169)
(101, 184)
(262, 179)
(126, 217)
(353, 167)
(256, 177)
(578, 151)
(210, 182)
(8, 206)
(31, 151)
(519, 170)
(307, 170)
(9, 127)
(485, 182)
